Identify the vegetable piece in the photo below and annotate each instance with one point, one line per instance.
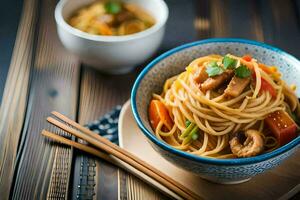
(229, 63)
(213, 69)
(282, 126)
(216, 81)
(103, 28)
(113, 7)
(158, 112)
(187, 131)
(265, 68)
(290, 96)
(271, 70)
(266, 86)
(193, 135)
(236, 86)
(187, 123)
(242, 71)
(247, 58)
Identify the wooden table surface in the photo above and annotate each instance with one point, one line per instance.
(37, 75)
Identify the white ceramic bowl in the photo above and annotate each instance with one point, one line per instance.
(112, 54)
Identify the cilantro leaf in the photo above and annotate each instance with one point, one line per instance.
(242, 71)
(212, 64)
(112, 7)
(213, 69)
(229, 63)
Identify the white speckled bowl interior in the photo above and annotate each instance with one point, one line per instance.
(173, 62)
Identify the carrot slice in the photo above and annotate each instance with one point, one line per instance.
(265, 68)
(247, 58)
(158, 112)
(265, 86)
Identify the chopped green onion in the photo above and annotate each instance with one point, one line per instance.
(187, 123)
(229, 63)
(194, 131)
(113, 7)
(213, 69)
(192, 135)
(187, 131)
(242, 71)
(195, 136)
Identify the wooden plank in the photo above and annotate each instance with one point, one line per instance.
(180, 25)
(99, 93)
(280, 22)
(202, 22)
(137, 189)
(286, 32)
(10, 12)
(43, 168)
(243, 20)
(296, 3)
(13, 106)
(218, 19)
(106, 181)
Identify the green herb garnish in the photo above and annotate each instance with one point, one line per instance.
(187, 131)
(213, 69)
(229, 63)
(113, 7)
(195, 136)
(187, 123)
(242, 71)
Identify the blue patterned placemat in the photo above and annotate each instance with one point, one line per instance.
(106, 126)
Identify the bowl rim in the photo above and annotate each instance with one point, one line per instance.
(214, 161)
(60, 21)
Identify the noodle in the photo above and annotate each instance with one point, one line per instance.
(211, 114)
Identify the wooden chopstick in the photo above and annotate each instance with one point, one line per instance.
(85, 148)
(77, 145)
(112, 145)
(122, 154)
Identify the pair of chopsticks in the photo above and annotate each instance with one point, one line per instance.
(101, 145)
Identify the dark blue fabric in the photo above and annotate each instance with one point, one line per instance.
(107, 126)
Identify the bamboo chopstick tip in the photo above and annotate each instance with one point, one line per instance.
(44, 132)
(54, 112)
(49, 119)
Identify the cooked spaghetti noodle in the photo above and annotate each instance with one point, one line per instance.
(214, 100)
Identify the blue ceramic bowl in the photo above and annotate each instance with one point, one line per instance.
(173, 62)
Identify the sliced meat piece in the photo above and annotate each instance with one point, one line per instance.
(214, 82)
(200, 75)
(236, 86)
